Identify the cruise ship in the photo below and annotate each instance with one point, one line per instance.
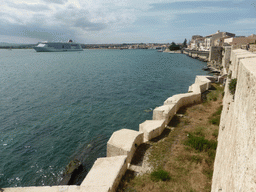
(58, 46)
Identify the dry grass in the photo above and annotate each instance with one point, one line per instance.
(189, 169)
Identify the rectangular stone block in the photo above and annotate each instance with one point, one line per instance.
(124, 142)
(105, 174)
(152, 128)
(164, 112)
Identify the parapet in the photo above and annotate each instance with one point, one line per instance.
(152, 128)
(105, 174)
(164, 112)
(124, 142)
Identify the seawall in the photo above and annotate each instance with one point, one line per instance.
(235, 162)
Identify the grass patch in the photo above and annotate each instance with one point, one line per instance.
(199, 131)
(200, 143)
(215, 118)
(183, 158)
(160, 175)
(215, 133)
(214, 93)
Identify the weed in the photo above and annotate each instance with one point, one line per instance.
(215, 120)
(232, 86)
(200, 143)
(197, 159)
(199, 131)
(160, 175)
(218, 112)
(208, 173)
(215, 133)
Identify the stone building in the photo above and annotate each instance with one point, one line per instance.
(241, 40)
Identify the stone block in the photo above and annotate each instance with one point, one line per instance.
(152, 128)
(183, 99)
(164, 112)
(124, 142)
(105, 174)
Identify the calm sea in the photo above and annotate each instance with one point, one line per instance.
(55, 107)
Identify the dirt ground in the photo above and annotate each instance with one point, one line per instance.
(188, 169)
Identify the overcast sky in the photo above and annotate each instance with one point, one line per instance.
(122, 21)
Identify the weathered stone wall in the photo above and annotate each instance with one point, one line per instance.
(215, 54)
(235, 162)
(202, 55)
(226, 58)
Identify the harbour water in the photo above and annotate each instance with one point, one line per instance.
(55, 107)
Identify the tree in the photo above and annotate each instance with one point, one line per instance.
(184, 45)
(173, 46)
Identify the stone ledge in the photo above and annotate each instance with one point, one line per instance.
(124, 142)
(152, 128)
(164, 112)
(105, 174)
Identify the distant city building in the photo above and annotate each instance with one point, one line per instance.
(201, 43)
(217, 39)
(241, 40)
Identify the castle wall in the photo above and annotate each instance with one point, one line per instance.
(235, 162)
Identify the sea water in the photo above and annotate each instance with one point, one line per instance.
(55, 107)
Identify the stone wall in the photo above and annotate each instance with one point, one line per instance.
(201, 55)
(235, 162)
(226, 58)
(215, 54)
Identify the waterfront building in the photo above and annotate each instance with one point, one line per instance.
(217, 39)
(241, 40)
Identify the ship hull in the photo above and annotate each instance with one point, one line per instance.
(58, 47)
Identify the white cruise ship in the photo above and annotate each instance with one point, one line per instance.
(58, 46)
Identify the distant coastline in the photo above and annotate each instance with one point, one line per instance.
(4, 45)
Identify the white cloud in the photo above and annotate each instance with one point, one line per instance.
(246, 21)
(102, 19)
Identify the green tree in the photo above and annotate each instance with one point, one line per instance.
(173, 46)
(184, 44)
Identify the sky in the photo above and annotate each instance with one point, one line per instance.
(122, 21)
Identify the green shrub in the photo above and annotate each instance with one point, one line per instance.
(232, 86)
(215, 120)
(200, 143)
(160, 175)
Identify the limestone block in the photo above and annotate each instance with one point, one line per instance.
(164, 112)
(204, 82)
(235, 53)
(195, 88)
(152, 128)
(183, 99)
(124, 142)
(105, 174)
(190, 98)
(237, 61)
